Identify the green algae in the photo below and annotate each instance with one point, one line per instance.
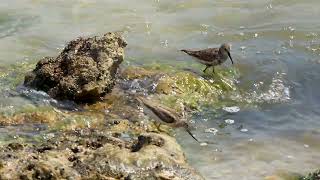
(175, 89)
(185, 83)
(30, 108)
(135, 72)
(311, 176)
(72, 121)
(54, 119)
(13, 75)
(188, 86)
(194, 91)
(283, 175)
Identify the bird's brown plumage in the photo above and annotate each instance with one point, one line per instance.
(163, 113)
(166, 115)
(211, 56)
(206, 55)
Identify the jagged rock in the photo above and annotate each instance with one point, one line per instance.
(84, 71)
(160, 157)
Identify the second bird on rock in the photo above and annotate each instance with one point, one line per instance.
(164, 115)
(212, 56)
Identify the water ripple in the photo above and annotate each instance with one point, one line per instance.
(13, 23)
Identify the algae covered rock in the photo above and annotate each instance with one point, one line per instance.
(135, 72)
(84, 71)
(294, 176)
(173, 87)
(93, 154)
(312, 176)
(110, 139)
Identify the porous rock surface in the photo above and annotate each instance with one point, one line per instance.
(84, 71)
(91, 154)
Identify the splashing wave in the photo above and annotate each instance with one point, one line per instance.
(276, 92)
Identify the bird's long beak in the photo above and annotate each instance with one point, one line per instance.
(230, 56)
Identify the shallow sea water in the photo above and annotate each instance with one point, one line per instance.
(275, 46)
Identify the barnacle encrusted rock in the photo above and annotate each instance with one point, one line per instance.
(84, 71)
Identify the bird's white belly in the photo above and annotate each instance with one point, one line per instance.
(209, 63)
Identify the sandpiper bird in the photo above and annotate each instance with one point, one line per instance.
(165, 115)
(211, 56)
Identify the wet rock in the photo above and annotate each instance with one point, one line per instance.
(84, 71)
(44, 148)
(159, 158)
(13, 75)
(76, 149)
(174, 86)
(109, 139)
(312, 176)
(59, 120)
(286, 175)
(189, 88)
(147, 139)
(73, 158)
(40, 171)
(151, 159)
(134, 72)
(15, 146)
(29, 117)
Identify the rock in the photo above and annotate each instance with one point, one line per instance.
(147, 140)
(312, 176)
(160, 157)
(190, 89)
(58, 120)
(84, 71)
(44, 148)
(15, 146)
(13, 75)
(109, 139)
(134, 72)
(286, 175)
(40, 116)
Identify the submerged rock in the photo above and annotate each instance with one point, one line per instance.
(135, 72)
(12, 76)
(176, 87)
(283, 175)
(312, 176)
(84, 71)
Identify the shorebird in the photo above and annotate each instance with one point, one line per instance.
(211, 56)
(165, 115)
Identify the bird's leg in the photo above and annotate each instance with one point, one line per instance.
(157, 124)
(205, 69)
(213, 70)
(187, 128)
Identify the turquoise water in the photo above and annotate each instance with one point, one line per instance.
(275, 45)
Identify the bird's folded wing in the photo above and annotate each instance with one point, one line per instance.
(205, 54)
(161, 112)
